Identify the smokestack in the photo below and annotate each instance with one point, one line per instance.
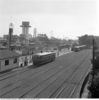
(10, 34)
(35, 33)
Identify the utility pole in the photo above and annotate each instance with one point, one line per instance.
(93, 66)
(93, 58)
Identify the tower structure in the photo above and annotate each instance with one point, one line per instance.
(25, 31)
(25, 27)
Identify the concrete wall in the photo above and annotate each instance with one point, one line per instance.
(29, 60)
(9, 66)
(21, 61)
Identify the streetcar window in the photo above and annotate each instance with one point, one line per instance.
(15, 60)
(6, 62)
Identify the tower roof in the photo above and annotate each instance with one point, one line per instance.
(25, 24)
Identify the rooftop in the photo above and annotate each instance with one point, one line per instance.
(4, 54)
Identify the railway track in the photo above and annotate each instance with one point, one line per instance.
(13, 72)
(10, 71)
(80, 82)
(24, 74)
(23, 71)
(51, 80)
(37, 71)
(74, 82)
(34, 93)
(52, 92)
(50, 74)
(21, 87)
(19, 81)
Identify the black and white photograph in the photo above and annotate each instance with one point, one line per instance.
(49, 49)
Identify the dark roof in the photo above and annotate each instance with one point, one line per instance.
(4, 54)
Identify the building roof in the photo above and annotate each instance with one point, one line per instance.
(5, 54)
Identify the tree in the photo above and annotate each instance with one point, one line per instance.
(86, 40)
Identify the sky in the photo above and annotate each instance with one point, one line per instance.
(59, 18)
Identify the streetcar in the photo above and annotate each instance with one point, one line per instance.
(42, 58)
(78, 48)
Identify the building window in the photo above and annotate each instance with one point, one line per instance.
(6, 62)
(15, 60)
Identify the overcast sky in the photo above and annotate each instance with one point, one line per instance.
(59, 18)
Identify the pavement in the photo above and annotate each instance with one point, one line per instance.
(59, 79)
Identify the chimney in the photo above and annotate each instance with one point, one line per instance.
(10, 35)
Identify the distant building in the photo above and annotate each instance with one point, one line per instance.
(3, 47)
(14, 41)
(42, 35)
(3, 42)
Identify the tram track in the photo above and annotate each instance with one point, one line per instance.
(38, 83)
(44, 88)
(49, 95)
(14, 86)
(47, 82)
(73, 85)
(13, 79)
(5, 83)
(77, 90)
(38, 73)
(78, 82)
(11, 71)
(14, 72)
(26, 84)
(52, 66)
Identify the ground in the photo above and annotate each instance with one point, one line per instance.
(59, 79)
